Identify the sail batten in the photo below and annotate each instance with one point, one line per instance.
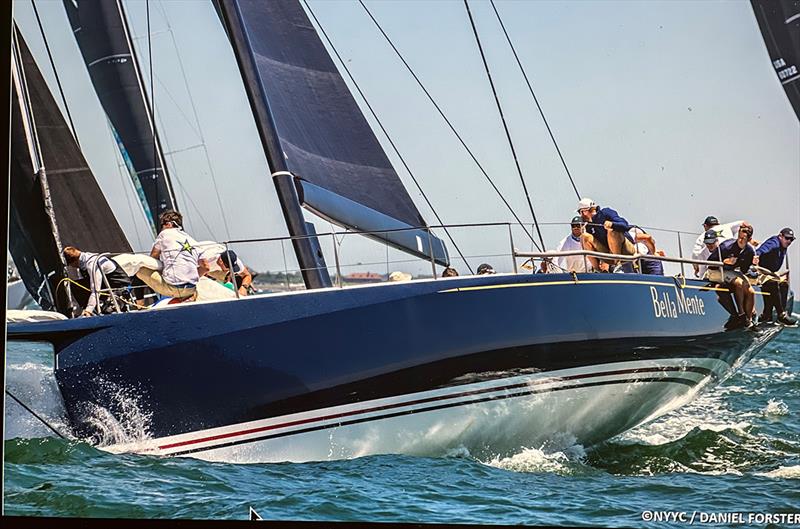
(323, 138)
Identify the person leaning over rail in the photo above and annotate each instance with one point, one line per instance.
(178, 253)
(737, 256)
(770, 255)
(606, 232)
(95, 266)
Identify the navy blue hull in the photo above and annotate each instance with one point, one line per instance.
(200, 366)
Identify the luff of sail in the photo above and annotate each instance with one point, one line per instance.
(340, 169)
(779, 21)
(81, 214)
(102, 35)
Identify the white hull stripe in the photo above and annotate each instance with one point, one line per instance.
(187, 444)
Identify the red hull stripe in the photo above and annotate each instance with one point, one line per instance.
(249, 431)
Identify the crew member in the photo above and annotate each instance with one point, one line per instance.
(243, 279)
(606, 232)
(570, 243)
(95, 266)
(178, 253)
(770, 255)
(736, 256)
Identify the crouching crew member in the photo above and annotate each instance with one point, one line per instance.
(95, 266)
(606, 232)
(770, 255)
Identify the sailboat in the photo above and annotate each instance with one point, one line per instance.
(333, 372)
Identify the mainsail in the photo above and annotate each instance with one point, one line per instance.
(779, 21)
(43, 148)
(339, 167)
(101, 30)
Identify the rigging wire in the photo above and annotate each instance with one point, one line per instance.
(449, 123)
(55, 72)
(535, 99)
(385, 132)
(29, 410)
(503, 119)
(199, 130)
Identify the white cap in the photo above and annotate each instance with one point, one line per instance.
(586, 203)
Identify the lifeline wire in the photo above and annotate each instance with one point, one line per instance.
(503, 119)
(55, 72)
(385, 132)
(449, 124)
(535, 99)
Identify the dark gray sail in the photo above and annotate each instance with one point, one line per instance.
(321, 136)
(101, 30)
(779, 21)
(42, 147)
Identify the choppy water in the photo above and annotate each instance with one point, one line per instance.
(735, 449)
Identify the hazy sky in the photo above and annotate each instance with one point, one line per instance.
(667, 111)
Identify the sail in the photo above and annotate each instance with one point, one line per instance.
(100, 28)
(340, 169)
(82, 215)
(779, 21)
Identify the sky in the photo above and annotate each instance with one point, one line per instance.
(666, 111)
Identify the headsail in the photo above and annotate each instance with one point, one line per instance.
(341, 171)
(81, 213)
(779, 21)
(100, 28)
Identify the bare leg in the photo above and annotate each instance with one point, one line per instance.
(749, 299)
(588, 243)
(738, 293)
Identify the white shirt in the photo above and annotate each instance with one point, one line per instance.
(724, 232)
(179, 255)
(641, 248)
(573, 263)
(95, 266)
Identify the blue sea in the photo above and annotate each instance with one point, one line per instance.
(736, 449)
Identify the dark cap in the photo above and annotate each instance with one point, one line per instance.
(711, 220)
(226, 258)
(787, 233)
(576, 220)
(485, 269)
(709, 236)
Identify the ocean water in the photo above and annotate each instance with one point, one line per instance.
(734, 449)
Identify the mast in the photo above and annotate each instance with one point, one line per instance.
(305, 242)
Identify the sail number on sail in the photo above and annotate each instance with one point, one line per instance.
(665, 307)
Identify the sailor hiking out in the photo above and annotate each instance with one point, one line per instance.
(770, 256)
